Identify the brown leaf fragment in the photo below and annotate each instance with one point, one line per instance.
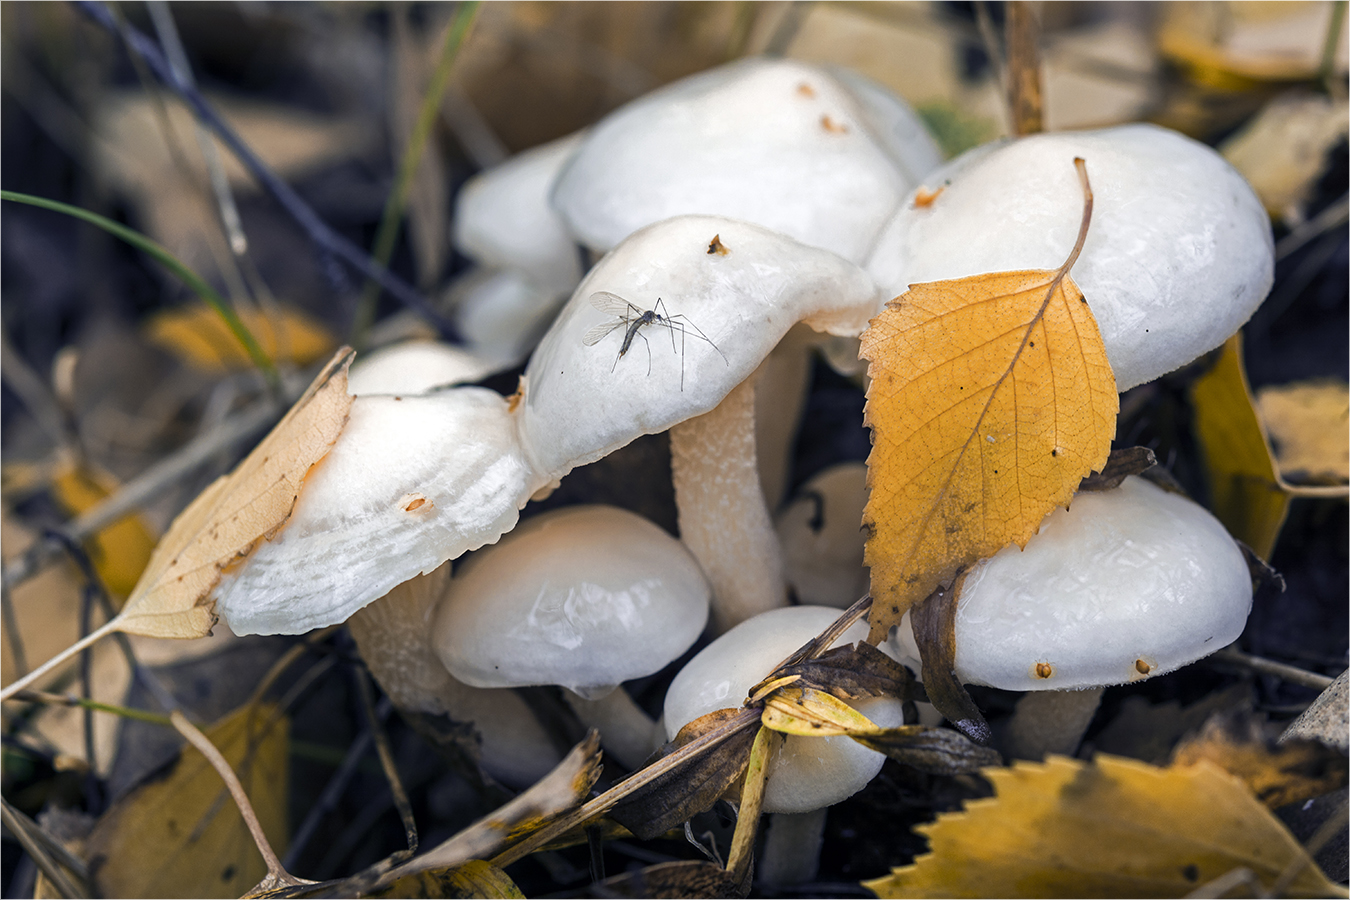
(686, 878)
(852, 672)
(1276, 773)
(1120, 465)
(934, 622)
(675, 796)
(937, 751)
(227, 520)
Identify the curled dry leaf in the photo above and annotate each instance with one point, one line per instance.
(1111, 828)
(227, 521)
(991, 398)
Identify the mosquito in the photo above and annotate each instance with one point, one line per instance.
(631, 319)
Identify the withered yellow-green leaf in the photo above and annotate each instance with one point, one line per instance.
(1309, 426)
(1244, 489)
(181, 835)
(991, 399)
(1112, 828)
(228, 519)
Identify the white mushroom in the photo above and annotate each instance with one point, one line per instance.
(821, 156)
(809, 772)
(502, 314)
(586, 598)
(1179, 254)
(415, 367)
(729, 291)
(503, 218)
(823, 539)
(1123, 585)
(394, 638)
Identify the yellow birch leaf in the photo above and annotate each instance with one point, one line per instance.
(199, 337)
(1309, 427)
(119, 551)
(181, 835)
(1244, 490)
(991, 398)
(227, 520)
(1111, 828)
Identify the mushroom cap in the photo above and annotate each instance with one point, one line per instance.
(503, 218)
(1178, 256)
(415, 367)
(823, 539)
(502, 314)
(808, 772)
(582, 402)
(387, 503)
(584, 597)
(1123, 585)
(784, 144)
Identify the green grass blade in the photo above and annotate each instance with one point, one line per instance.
(170, 262)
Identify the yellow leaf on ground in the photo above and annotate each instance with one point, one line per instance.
(1309, 427)
(119, 551)
(1244, 490)
(991, 398)
(474, 878)
(197, 335)
(1112, 828)
(181, 835)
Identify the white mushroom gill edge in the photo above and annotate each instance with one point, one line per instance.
(1178, 256)
(727, 305)
(782, 143)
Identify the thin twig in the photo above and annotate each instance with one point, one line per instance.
(277, 873)
(382, 749)
(13, 638)
(1024, 68)
(1291, 674)
(125, 712)
(318, 231)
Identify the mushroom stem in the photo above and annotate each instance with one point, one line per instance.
(722, 516)
(792, 847)
(1051, 722)
(626, 731)
(780, 399)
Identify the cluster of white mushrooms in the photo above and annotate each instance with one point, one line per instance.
(748, 214)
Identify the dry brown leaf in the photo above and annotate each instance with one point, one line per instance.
(225, 523)
(1309, 427)
(991, 398)
(198, 336)
(1112, 828)
(180, 835)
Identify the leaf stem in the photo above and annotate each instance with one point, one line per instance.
(170, 262)
(59, 659)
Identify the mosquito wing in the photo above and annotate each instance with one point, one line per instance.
(598, 333)
(614, 305)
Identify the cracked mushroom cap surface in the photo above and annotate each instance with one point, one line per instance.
(807, 772)
(1123, 585)
(731, 291)
(785, 144)
(585, 597)
(1179, 253)
(388, 502)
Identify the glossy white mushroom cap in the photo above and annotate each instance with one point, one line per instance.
(1178, 256)
(821, 531)
(388, 502)
(1123, 585)
(808, 772)
(584, 597)
(781, 143)
(582, 402)
(415, 367)
(503, 218)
